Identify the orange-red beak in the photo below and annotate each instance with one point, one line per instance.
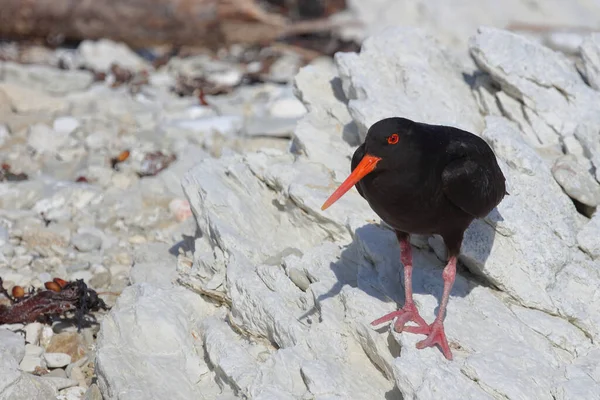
(366, 166)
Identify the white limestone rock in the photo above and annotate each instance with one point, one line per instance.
(53, 81)
(590, 53)
(403, 72)
(149, 334)
(576, 180)
(15, 384)
(554, 98)
(153, 263)
(101, 54)
(588, 237)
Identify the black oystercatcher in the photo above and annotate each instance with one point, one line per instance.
(425, 179)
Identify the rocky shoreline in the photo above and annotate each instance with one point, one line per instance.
(197, 219)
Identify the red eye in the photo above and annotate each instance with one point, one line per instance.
(393, 139)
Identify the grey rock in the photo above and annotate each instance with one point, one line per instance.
(576, 181)
(15, 384)
(59, 383)
(100, 55)
(57, 360)
(153, 263)
(53, 81)
(590, 53)
(162, 351)
(12, 344)
(58, 373)
(43, 139)
(461, 20)
(554, 98)
(86, 242)
(30, 363)
(216, 72)
(588, 237)
(409, 65)
(28, 101)
(33, 332)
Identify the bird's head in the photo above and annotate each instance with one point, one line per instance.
(383, 147)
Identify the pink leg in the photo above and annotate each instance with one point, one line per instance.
(409, 312)
(437, 334)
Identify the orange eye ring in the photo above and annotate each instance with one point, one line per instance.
(393, 139)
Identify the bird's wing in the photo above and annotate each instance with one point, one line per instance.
(472, 187)
(358, 155)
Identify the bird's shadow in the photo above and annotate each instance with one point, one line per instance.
(371, 263)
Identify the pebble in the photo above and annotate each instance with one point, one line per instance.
(57, 360)
(4, 134)
(287, 107)
(12, 343)
(33, 350)
(69, 343)
(101, 54)
(93, 393)
(72, 393)
(57, 373)
(576, 181)
(43, 139)
(137, 239)
(59, 383)
(180, 209)
(4, 236)
(33, 332)
(86, 242)
(46, 336)
(65, 125)
(30, 363)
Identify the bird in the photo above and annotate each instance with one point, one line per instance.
(429, 180)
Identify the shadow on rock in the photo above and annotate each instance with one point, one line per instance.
(371, 262)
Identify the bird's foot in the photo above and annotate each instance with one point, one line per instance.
(436, 335)
(408, 313)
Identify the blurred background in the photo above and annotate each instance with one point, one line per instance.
(268, 39)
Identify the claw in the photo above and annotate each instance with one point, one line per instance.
(408, 313)
(436, 336)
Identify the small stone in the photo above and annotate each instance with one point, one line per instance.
(69, 343)
(58, 373)
(86, 242)
(30, 363)
(93, 393)
(32, 333)
(299, 278)
(78, 375)
(59, 383)
(287, 107)
(65, 125)
(72, 393)
(33, 350)
(102, 54)
(588, 238)
(576, 181)
(46, 336)
(24, 100)
(137, 239)
(43, 139)
(57, 360)
(4, 134)
(180, 209)
(84, 275)
(12, 343)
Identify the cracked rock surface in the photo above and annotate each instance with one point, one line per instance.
(296, 288)
(225, 277)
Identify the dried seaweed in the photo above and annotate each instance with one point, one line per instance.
(45, 305)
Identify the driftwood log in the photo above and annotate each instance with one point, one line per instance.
(140, 23)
